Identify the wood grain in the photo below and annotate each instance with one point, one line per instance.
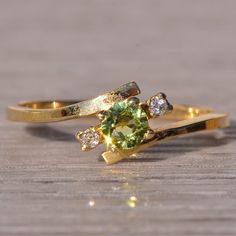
(74, 49)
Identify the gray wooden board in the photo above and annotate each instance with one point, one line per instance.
(73, 49)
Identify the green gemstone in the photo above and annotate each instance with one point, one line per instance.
(124, 125)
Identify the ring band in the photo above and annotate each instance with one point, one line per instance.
(51, 111)
(124, 120)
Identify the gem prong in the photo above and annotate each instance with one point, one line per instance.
(113, 148)
(134, 101)
(85, 148)
(89, 138)
(158, 105)
(101, 115)
(149, 134)
(170, 107)
(161, 95)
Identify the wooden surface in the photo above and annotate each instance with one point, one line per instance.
(73, 49)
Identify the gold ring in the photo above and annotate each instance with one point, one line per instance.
(125, 130)
(124, 120)
(51, 111)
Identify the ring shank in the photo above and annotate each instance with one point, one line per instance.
(51, 111)
(188, 118)
(183, 112)
(196, 120)
(48, 104)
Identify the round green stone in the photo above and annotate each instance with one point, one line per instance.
(124, 125)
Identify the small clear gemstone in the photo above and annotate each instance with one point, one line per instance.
(89, 138)
(158, 106)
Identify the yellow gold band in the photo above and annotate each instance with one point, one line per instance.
(51, 111)
(124, 123)
(189, 119)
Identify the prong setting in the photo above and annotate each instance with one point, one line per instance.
(124, 127)
(158, 105)
(149, 134)
(125, 124)
(133, 101)
(89, 138)
(101, 115)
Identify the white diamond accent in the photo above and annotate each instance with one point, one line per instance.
(158, 106)
(89, 138)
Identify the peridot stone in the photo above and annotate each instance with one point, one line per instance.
(124, 125)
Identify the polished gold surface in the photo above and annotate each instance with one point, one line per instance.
(185, 186)
(124, 125)
(51, 111)
(189, 119)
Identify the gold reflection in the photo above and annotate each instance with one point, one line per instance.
(91, 203)
(193, 112)
(132, 201)
(55, 104)
(128, 187)
(34, 106)
(127, 184)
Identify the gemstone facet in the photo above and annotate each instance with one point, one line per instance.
(158, 105)
(124, 125)
(89, 139)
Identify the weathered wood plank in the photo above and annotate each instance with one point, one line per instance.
(74, 49)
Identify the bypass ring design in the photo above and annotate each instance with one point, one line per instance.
(124, 120)
(125, 130)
